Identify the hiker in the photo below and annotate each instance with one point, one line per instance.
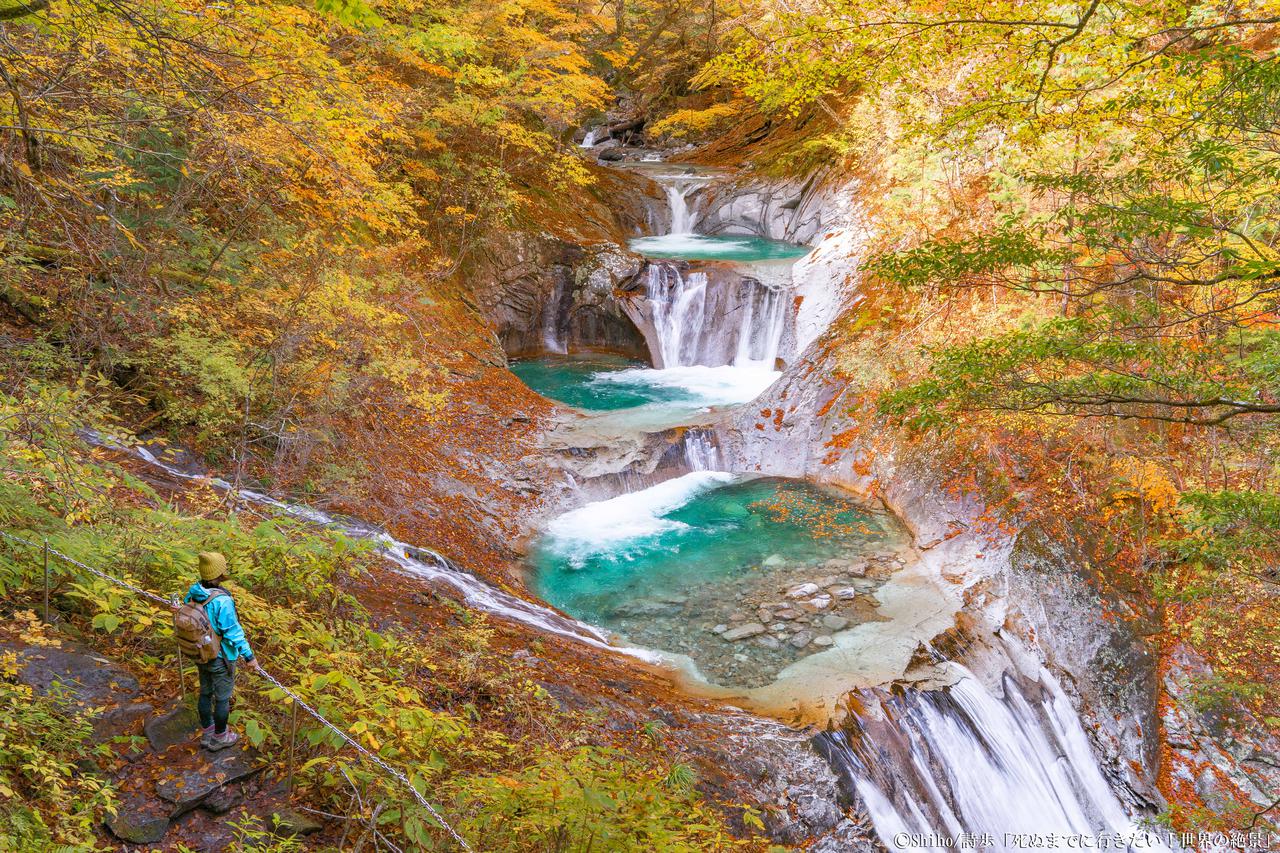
(209, 631)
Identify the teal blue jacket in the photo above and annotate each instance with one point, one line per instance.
(222, 615)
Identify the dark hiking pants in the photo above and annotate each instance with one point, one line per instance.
(217, 680)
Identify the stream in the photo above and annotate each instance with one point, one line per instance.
(763, 584)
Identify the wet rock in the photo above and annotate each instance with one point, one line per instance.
(801, 639)
(803, 590)
(774, 561)
(187, 787)
(778, 626)
(720, 629)
(787, 614)
(84, 679)
(737, 616)
(819, 814)
(120, 720)
(742, 632)
(139, 820)
(222, 800)
(834, 622)
(180, 723)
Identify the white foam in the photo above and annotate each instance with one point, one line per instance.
(706, 386)
(610, 524)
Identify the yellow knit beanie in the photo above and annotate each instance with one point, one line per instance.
(212, 566)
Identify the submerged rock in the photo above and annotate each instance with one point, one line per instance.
(742, 632)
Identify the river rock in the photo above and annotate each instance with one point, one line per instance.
(742, 632)
(801, 639)
(770, 643)
(787, 614)
(774, 561)
(720, 629)
(819, 602)
(778, 626)
(823, 641)
(847, 593)
(834, 622)
(803, 590)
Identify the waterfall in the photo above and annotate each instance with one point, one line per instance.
(592, 137)
(934, 766)
(700, 451)
(679, 307)
(678, 199)
(763, 322)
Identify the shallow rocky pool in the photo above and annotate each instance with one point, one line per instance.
(743, 575)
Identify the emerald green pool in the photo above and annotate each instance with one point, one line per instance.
(601, 383)
(735, 247)
(666, 566)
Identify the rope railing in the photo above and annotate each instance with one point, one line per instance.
(394, 773)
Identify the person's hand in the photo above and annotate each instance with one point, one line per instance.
(253, 663)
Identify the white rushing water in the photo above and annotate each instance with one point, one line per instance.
(609, 525)
(932, 766)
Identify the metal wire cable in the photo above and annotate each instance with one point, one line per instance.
(392, 771)
(398, 775)
(73, 561)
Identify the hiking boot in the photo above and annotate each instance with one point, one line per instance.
(206, 732)
(215, 742)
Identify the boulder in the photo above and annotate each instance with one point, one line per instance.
(139, 820)
(742, 632)
(187, 787)
(180, 723)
